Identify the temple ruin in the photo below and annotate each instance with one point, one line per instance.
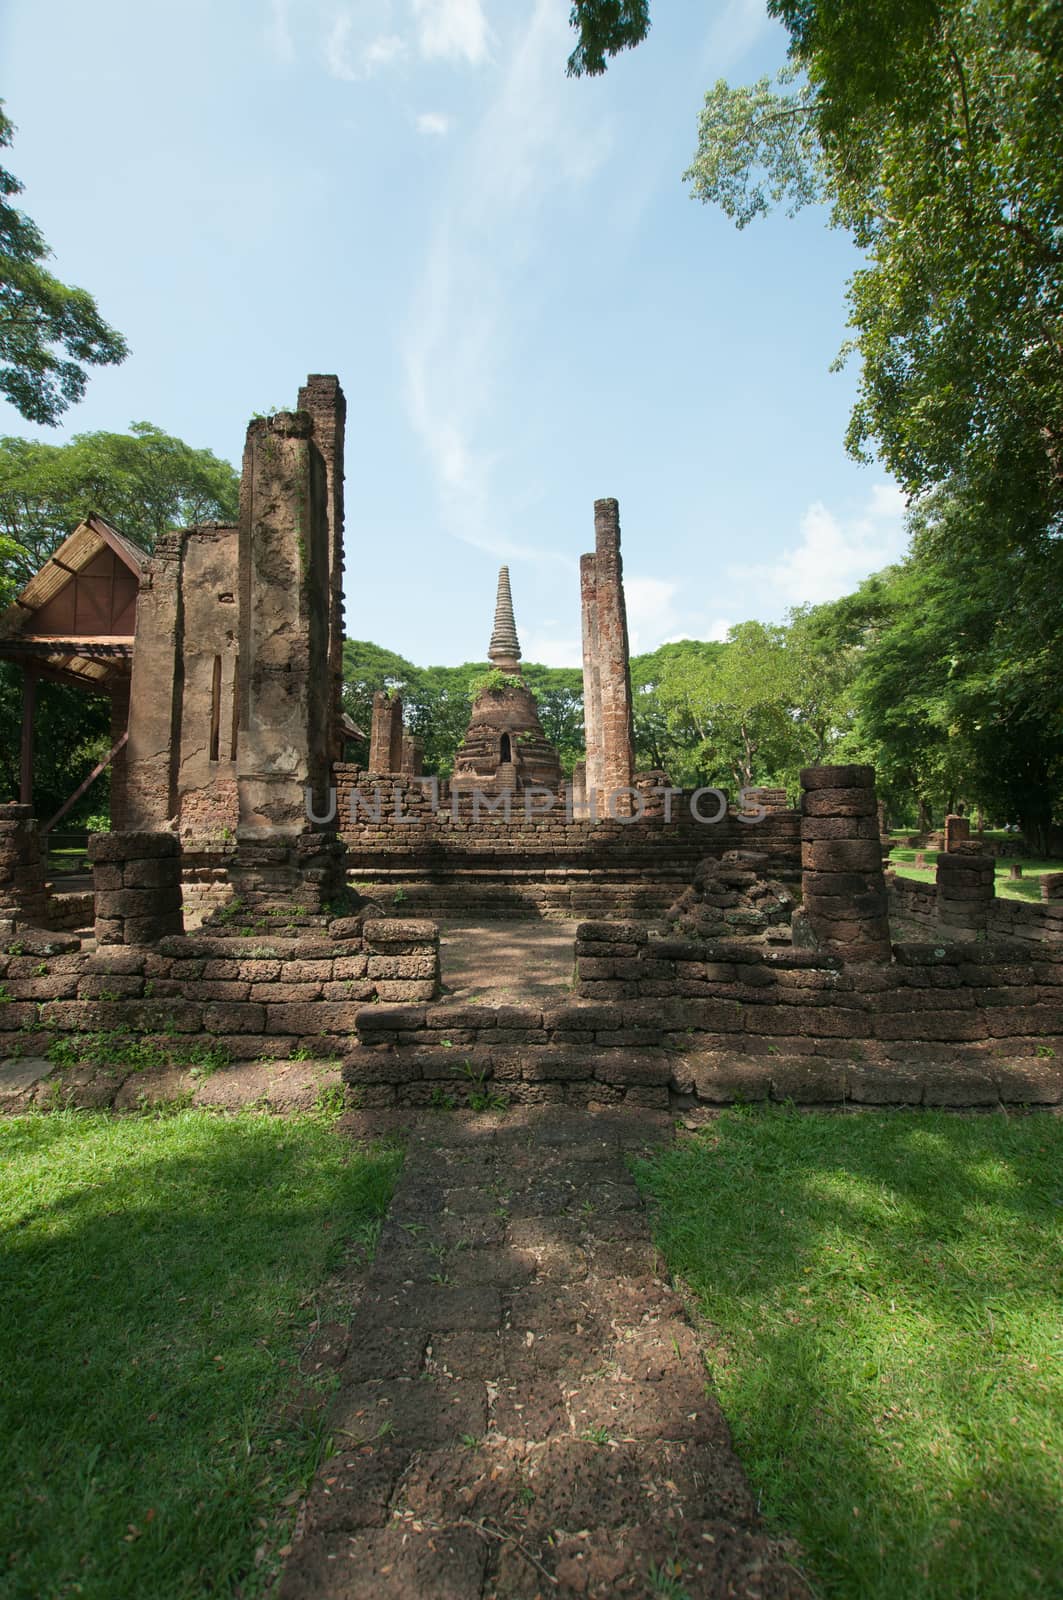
(321, 883)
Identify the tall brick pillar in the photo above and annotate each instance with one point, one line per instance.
(137, 883)
(592, 687)
(412, 756)
(323, 398)
(966, 886)
(23, 897)
(286, 693)
(285, 690)
(606, 664)
(386, 734)
(396, 741)
(152, 753)
(841, 863)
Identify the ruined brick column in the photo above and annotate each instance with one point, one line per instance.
(397, 736)
(385, 734)
(323, 398)
(285, 688)
(152, 753)
(23, 897)
(606, 664)
(592, 687)
(841, 863)
(966, 886)
(285, 691)
(412, 756)
(957, 831)
(137, 883)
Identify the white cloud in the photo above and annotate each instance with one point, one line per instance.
(835, 553)
(354, 52)
(434, 122)
(455, 30)
(534, 140)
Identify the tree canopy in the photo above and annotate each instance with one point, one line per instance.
(934, 128)
(49, 332)
(143, 481)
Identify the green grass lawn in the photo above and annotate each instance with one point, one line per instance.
(884, 1294)
(157, 1279)
(1028, 887)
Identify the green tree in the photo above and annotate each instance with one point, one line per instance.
(367, 669)
(935, 130)
(605, 27)
(143, 481)
(960, 661)
(558, 693)
(49, 333)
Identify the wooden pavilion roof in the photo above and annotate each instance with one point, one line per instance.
(74, 620)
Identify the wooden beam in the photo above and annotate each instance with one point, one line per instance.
(100, 766)
(29, 705)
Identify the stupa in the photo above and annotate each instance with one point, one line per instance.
(505, 746)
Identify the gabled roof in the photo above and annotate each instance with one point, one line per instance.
(32, 628)
(75, 552)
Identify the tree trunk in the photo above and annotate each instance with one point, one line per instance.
(924, 816)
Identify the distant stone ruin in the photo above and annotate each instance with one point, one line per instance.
(505, 749)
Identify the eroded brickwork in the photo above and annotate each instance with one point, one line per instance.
(323, 398)
(23, 898)
(136, 878)
(386, 737)
(844, 892)
(283, 741)
(606, 666)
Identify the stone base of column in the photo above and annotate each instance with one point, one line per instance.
(966, 886)
(23, 896)
(137, 883)
(845, 905)
(297, 875)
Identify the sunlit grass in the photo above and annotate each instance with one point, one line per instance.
(884, 1295)
(1028, 887)
(157, 1277)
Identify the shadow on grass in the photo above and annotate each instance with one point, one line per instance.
(156, 1275)
(884, 1300)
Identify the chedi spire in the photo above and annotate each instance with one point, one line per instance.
(504, 649)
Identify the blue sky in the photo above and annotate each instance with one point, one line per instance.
(526, 308)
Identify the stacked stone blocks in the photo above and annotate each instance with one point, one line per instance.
(844, 891)
(137, 885)
(965, 891)
(23, 896)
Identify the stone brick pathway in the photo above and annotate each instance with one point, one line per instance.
(522, 1409)
(507, 962)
